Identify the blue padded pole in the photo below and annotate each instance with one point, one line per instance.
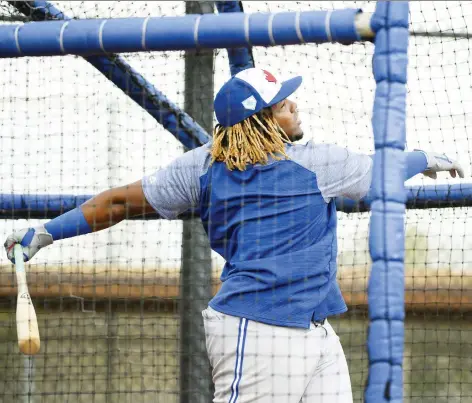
(133, 84)
(104, 36)
(239, 58)
(419, 197)
(387, 237)
(22, 206)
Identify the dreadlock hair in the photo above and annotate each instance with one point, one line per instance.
(249, 142)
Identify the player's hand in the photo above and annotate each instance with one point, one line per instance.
(31, 239)
(441, 162)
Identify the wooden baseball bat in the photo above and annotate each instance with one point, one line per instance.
(26, 322)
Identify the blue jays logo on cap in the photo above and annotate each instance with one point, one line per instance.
(248, 92)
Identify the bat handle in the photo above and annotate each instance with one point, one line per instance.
(19, 260)
(20, 269)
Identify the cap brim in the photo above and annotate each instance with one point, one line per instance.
(288, 88)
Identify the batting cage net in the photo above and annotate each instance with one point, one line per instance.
(113, 306)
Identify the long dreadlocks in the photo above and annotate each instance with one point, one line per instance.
(249, 142)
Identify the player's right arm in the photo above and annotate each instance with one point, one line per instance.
(169, 191)
(114, 205)
(101, 212)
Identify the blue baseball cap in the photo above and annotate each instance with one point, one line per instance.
(248, 92)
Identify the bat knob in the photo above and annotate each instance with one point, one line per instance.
(29, 347)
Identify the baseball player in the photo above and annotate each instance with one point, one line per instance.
(268, 208)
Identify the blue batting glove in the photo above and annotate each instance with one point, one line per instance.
(31, 239)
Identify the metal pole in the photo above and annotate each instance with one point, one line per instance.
(113, 164)
(28, 382)
(195, 373)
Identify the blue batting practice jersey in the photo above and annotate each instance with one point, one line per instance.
(274, 224)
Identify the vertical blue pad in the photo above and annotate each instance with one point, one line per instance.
(386, 246)
(386, 242)
(382, 181)
(384, 389)
(388, 115)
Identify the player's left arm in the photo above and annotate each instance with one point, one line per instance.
(439, 163)
(341, 172)
(429, 164)
(349, 174)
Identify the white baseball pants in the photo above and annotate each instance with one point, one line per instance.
(259, 363)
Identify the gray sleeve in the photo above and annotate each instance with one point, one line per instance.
(339, 172)
(176, 188)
